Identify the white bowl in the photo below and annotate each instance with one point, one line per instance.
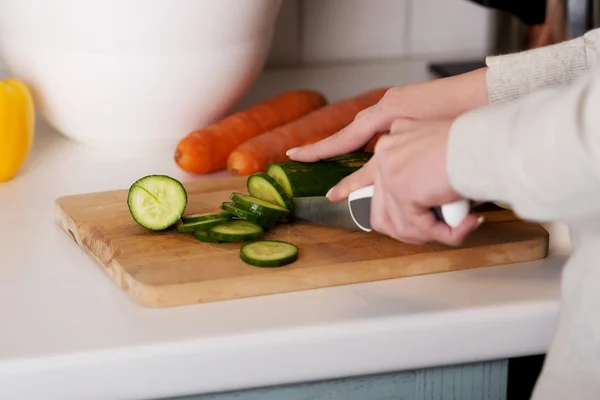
(136, 73)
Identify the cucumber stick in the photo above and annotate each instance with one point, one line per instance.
(315, 179)
(236, 231)
(269, 253)
(156, 202)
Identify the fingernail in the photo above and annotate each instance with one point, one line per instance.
(480, 220)
(291, 152)
(328, 194)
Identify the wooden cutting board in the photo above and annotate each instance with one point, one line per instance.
(170, 268)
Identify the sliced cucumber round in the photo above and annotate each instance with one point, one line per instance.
(265, 187)
(200, 225)
(157, 202)
(205, 217)
(269, 253)
(236, 231)
(280, 175)
(203, 236)
(258, 206)
(248, 216)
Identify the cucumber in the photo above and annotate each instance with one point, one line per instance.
(259, 207)
(236, 231)
(203, 236)
(269, 253)
(205, 217)
(156, 202)
(315, 179)
(248, 216)
(200, 225)
(265, 187)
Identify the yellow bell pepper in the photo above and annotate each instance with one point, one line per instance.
(17, 126)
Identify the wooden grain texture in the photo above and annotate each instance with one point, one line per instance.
(170, 268)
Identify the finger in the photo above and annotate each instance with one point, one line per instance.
(353, 136)
(358, 180)
(412, 236)
(363, 112)
(442, 233)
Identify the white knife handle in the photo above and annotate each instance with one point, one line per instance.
(367, 191)
(453, 214)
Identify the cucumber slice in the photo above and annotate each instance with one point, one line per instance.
(259, 207)
(156, 202)
(269, 253)
(203, 236)
(236, 231)
(205, 217)
(200, 225)
(265, 187)
(279, 174)
(248, 216)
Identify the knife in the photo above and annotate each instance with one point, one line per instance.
(354, 213)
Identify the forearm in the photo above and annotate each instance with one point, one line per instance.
(540, 154)
(446, 97)
(514, 75)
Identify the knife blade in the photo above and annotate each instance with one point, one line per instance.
(354, 213)
(323, 212)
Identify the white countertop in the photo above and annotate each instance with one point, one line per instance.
(69, 333)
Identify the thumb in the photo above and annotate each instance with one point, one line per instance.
(358, 180)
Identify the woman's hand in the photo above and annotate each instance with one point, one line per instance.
(409, 172)
(438, 99)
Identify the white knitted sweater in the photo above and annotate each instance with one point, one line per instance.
(536, 147)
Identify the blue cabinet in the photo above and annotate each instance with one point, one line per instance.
(477, 381)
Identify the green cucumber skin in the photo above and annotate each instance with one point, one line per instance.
(288, 203)
(225, 237)
(257, 209)
(280, 262)
(200, 226)
(205, 217)
(316, 179)
(248, 216)
(138, 184)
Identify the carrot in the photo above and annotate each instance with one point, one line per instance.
(206, 150)
(370, 98)
(371, 145)
(256, 154)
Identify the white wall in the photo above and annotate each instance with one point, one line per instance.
(3, 72)
(310, 31)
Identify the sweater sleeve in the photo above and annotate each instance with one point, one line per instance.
(514, 75)
(540, 154)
